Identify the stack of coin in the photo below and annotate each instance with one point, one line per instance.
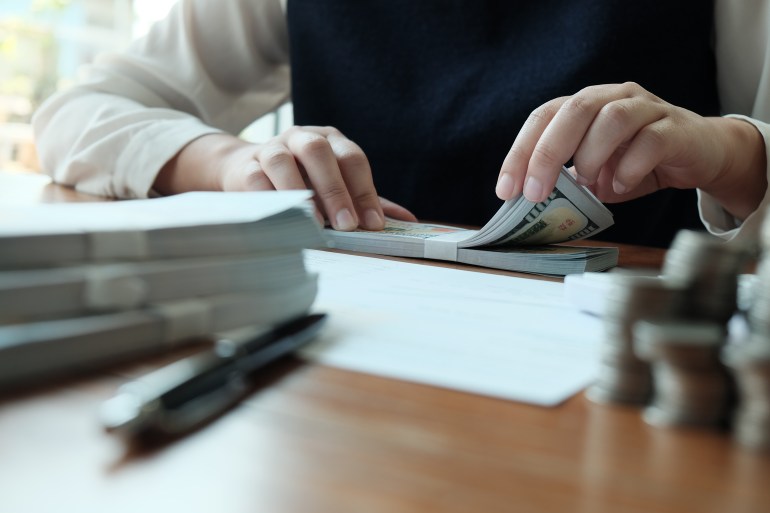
(708, 268)
(758, 313)
(749, 358)
(623, 377)
(764, 233)
(691, 385)
(750, 362)
(748, 288)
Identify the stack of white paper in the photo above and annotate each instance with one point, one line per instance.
(87, 284)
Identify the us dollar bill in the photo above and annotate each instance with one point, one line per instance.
(570, 212)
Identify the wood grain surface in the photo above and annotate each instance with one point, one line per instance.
(316, 439)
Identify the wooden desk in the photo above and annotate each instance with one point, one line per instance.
(317, 439)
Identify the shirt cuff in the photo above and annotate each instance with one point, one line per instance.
(723, 224)
(150, 151)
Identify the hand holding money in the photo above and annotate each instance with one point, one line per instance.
(626, 142)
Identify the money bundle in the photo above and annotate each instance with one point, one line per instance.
(519, 236)
(623, 377)
(692, 387)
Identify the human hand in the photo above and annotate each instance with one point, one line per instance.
(625, 142)
(318, 158)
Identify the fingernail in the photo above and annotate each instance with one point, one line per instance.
(582, 180)
(618, 187)
(373, 220)
(504, 188)
(345, 220)
(533, 189)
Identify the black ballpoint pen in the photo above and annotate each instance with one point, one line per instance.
(181, 396)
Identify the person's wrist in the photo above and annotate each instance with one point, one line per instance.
(221, 155)
(239, 169)
(740, 181)
(198, 166)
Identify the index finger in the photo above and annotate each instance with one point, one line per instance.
(357, 174)
(513, 172)
(314, 153)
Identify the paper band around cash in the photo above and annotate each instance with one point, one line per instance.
(444, 247)
(118, 245)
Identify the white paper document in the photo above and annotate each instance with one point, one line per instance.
(500, 336)
(189, 209)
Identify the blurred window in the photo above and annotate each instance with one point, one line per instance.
(43, 45)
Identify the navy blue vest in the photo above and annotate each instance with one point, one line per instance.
(435, 91)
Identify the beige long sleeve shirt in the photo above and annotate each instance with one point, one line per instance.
(214, 66)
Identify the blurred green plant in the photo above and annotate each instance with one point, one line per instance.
(49, 5)
(28, 56)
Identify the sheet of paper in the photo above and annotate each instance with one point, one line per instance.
(501, 336)
(189, 209)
